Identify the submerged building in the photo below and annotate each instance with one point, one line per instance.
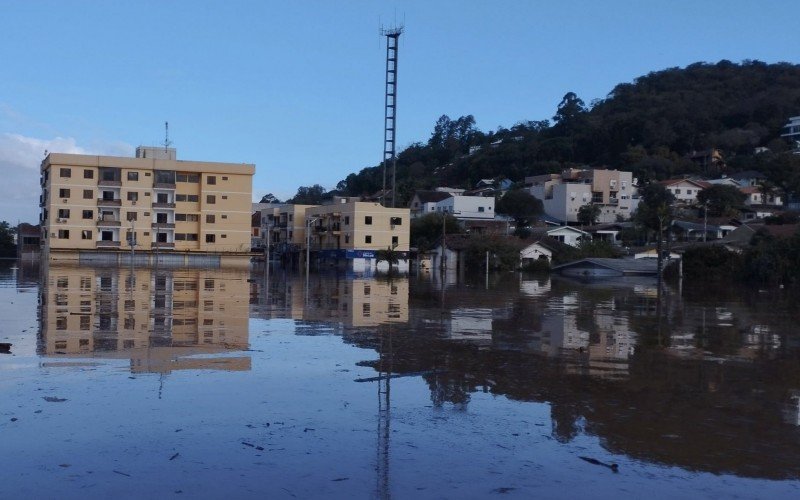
(99, 206)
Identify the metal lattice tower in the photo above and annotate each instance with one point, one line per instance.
(390, 116)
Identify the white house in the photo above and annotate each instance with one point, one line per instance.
(756, 197)
(467, 207)
(568, 235)
(684, 190)
(425, 202)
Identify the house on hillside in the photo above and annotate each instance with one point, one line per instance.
(425, 202)
(750, 178)
(563, 194)
(685, 191)
(756, 197)
(709, 160)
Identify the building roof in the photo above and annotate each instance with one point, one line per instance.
(747, 174)
(547, 242)
(624, 266)
(541, 232)
(670, 182)
(431, 196)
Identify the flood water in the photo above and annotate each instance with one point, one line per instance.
(197, 383)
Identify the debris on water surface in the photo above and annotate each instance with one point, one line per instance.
(613, 467)
(5, 348)
(14, 419)
(340, 479)
(121, 473)
(173, 457)
(503, 490)
(53, 399)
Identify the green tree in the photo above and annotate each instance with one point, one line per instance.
(427, 230)
(521, 206)
(588, 214)
(7, 247)
(722, 200)
(309, 195)
(269, 198)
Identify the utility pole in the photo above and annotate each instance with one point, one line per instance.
(705, 220)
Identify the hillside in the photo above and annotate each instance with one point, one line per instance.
(648, 126)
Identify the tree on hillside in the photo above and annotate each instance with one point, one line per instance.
(722, 200)
(308, 195)
(588, 214)
(521, 206)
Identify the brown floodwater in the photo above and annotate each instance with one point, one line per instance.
(210, 383)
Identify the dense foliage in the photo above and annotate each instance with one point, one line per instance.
(427, 230)
(7, 247)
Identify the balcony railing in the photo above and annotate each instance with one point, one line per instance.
(105, 183)
(108, 244)
(102, 202)
(163, 225)
(158, 204)
(162, 244)
(163, 185)
(108, 222)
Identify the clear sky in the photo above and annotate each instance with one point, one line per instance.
(296, 87)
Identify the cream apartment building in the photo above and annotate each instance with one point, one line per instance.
(99, 204)
(351, 232)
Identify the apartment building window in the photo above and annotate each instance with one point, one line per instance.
(63, 213)
(211, 199)
(191, 237)
(132, 216)
(195, 178)
(368, 220)
(224, 178)
(88, 194)
(346, 220)
(133, 196)
(63, 193)
(86, 235)
(395, 241)
(210, 238)
(210, 219)
(133, 176)
(88, 174)
(224, 196)
(368, 238)
(677, 191)
(88, 214)
(480, 209)
(65, 172)
(162, 198)
(397, 221)
(224, 216)
(223, 235)
(211, 179)
(187, 197)
(347, 238)
(63, 234)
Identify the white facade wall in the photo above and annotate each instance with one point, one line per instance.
(468, 207)
(685, 192)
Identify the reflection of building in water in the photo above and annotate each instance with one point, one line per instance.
(356, 302)
(152, 316)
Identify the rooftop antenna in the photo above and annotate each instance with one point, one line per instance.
(167, 142)
(392, 34)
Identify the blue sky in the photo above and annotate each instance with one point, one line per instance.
(297, 87)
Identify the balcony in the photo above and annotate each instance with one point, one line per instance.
(108, 221)
(108, 183)
(163, 185)
(101, 202)
(163, 225)
(157, 204)
(108, 244)
(162, 245)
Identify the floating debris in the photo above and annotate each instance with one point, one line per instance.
(613, 467)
